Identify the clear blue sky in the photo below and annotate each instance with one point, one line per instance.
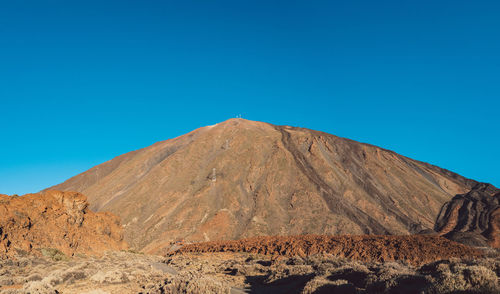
(84, 81)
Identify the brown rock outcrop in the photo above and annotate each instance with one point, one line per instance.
(414, 249)
(244, 178)
(472, 218)
(59, 220)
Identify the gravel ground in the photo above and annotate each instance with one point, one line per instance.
(238, 273)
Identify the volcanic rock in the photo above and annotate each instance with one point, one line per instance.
(472, 218)
(54, 220)
(244, 178)
(414, 249)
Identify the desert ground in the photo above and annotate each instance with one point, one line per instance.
(225, 267)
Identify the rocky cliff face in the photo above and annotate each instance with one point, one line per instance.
(472, 218)
(58, 220)
(243, 178)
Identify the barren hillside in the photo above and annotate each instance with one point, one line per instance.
(243, 178)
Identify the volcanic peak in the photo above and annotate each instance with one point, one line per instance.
(242, 178)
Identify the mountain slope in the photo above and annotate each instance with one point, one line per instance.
(472, 218)
(243, 178)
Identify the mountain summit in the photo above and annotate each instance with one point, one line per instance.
(242, 178)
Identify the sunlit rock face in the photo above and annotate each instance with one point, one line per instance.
(56, 220)
(243, 178)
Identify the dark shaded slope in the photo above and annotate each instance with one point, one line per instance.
(472, 218)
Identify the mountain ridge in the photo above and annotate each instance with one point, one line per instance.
(242, 178)
(430, 165)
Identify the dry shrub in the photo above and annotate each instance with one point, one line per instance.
(54, 254)
(189, 282)
(283, 271)
(6, 280)
(385, 275)
(455, 276)
(109, 277)
(480, 277)
(320, 285)
(72, 276)
(491, 263)
(355, 273)
(34, 277)
(39, 287)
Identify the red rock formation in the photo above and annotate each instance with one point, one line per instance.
(472, 218)
(415, 249)
(493, 232)
(59, 220)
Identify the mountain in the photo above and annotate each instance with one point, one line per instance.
(35, 223)
(243, 178)
(472, 218)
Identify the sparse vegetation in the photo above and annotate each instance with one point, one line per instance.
(133, 251)
(125, 272)
(54, 254)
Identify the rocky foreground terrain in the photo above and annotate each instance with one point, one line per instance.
(55, 245)
(238, 273)
(52, 243)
